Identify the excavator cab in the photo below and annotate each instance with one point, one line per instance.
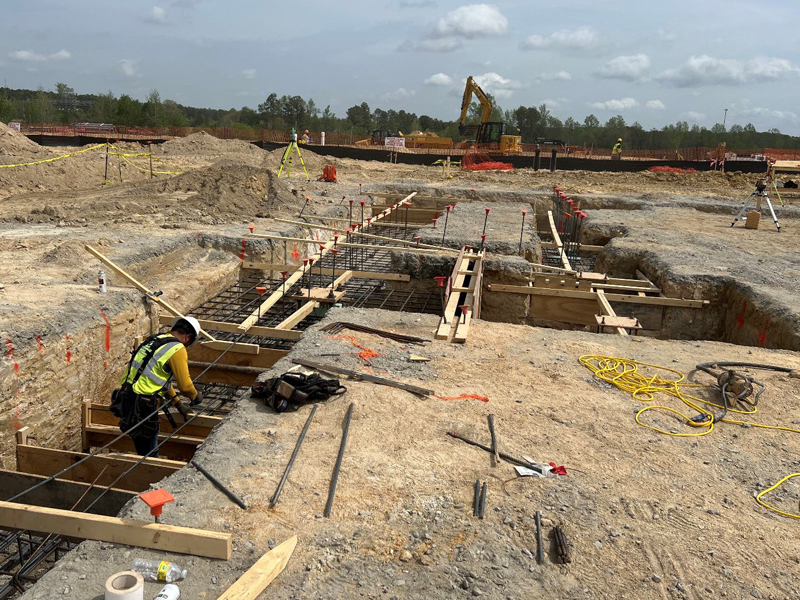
(489, 134)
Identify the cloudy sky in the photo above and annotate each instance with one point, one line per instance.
(652, 62)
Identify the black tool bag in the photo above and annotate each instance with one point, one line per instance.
(292, 390)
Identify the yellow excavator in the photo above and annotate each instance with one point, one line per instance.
(489, 134)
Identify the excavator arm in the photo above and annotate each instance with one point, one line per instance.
(486, 104)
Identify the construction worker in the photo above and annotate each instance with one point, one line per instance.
(616, 151)
(148, 382)
(306, 139)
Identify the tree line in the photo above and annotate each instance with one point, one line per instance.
(533, 123)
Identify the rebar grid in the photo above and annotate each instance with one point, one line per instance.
(21, 556)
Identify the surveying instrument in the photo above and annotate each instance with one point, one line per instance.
(760, 194)
(287, 157)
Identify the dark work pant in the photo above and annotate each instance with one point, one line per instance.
(144, 444)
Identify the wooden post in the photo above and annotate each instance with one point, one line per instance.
(24, 436)
(86, 421)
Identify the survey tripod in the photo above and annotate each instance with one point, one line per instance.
(287, 159)
(759, 194)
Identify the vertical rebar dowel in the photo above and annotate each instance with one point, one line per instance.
(522, 231)
(482, 510)
(490, 418)
(539, 543)
(105, 175)
(338, 466)
(331, 295)
(446, 215)
(274, 500)
(476, 499)
(119, 162)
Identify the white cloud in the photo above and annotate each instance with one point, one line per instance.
(760, 111)
(128, 67)
(157, 16)
(581, 38)
(655, 105)
(471, 21)
(667, 36)
(621, 104)
(433, 45)
(249, 73)
(560, 76)
(464, 23)
(439, 79)
(626, 68)
(400, 93)
(30, 56)
(707, 70)
(695, 116)
(497, 85)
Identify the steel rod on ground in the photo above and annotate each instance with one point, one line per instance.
(338, 466)
(274, 500)
(218, 484)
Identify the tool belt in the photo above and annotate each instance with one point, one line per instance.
(132, 408)
(292, 390)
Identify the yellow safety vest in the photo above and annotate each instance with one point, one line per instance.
(156, 375)
(617, 149)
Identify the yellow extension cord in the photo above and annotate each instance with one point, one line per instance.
(624, 374)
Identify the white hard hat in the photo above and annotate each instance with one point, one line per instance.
(193, 323)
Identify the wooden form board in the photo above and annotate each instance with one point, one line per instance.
(277, 295)
(455, 323)
(590, 295)
(265, 358)
(266, 332)
(256, 579)
(47, 461)
(167, 538)
(558, 242)
(347, 222)
(179, 447)
(307, 308)
(201, 426)
(584, 247)
(607, 310)
(292, 268)
(410, 249)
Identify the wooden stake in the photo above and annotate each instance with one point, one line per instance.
(260, 575)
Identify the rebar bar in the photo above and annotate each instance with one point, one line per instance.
(219, 485)
(338, 466)
(274, 500)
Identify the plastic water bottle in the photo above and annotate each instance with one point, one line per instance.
(168, 592)
(154, 570)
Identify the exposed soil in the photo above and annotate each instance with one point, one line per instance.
(650, 516)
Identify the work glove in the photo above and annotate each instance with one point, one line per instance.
(197, 399)
(183, 410)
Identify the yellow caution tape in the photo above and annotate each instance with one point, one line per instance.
(49, 160)
(148, 170)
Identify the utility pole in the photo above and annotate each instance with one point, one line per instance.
(724, 118)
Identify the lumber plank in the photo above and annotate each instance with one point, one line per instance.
(309, 307)
(221, 375)
(293, 268)
(623, 298)
(138, 285)
(256, 579)
(48, 461)
(608, 310)
(167, 538)
(583, 247)
(232, 347)
(558, 242)
(410, 249)
(201, 426)
(278, 294)
(255, 330)
(566, 310)
(265, 358)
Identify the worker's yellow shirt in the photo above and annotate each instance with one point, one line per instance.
(179, 363)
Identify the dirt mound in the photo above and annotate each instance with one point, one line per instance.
(231, 189)
(13, 143)
(203, 143)
(314, 162)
